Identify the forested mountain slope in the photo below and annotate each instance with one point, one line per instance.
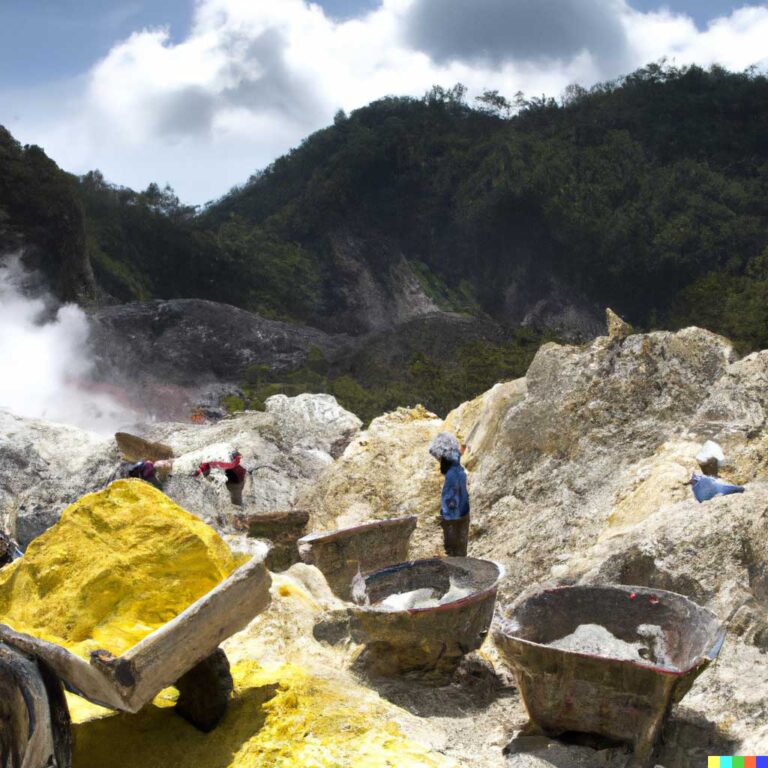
(648, 194)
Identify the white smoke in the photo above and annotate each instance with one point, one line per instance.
(44, 359)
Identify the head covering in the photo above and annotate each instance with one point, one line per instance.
(710, 458)
(445, 446)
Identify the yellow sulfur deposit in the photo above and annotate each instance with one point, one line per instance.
(309, 722)
(119, 564)
(124, 561)
(304, 714)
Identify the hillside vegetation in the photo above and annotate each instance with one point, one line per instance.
(648, 194)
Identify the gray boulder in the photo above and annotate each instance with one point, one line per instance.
(191, 342)
(44, 467)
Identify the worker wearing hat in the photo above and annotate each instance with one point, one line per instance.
(454, 499)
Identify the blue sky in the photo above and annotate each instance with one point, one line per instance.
(701, 11)
(44, 40)
(135, 88)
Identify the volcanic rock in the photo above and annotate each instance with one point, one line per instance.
(44, 466)
(578, 474)
(189, 342)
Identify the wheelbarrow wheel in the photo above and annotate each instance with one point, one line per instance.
(204, 692)
(34, 720)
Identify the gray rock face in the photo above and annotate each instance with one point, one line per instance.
(44, 467)
(369, 301)
(166, 358)
(189, 342)
(537, 299)
(373, 298)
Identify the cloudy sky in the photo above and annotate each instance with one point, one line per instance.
(200, 93)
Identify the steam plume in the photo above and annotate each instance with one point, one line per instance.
(44, 359)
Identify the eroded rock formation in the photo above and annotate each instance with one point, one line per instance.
(45, 466)
(578, 473)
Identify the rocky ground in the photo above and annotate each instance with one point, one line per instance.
(577, 475)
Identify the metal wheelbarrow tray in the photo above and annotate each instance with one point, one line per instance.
(341, 553)
(34, 722)
(623, 700)
(426, 639)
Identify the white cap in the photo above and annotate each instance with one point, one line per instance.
(710, 450)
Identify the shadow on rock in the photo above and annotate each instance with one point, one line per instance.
(472, 687)
(637, 568)
(538, 751)
(686, 742)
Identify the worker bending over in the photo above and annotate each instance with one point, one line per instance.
(234, 471)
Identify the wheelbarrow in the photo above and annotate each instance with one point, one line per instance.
(34, 720)
(578, 689)
(340, 554)
(430, 638)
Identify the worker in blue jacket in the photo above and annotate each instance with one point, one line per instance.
(454, 506)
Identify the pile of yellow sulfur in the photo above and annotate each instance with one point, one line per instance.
(308, 721)
(119, 564)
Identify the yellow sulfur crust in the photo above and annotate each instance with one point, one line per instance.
(124, 561)
(119, 564)
(309, 722)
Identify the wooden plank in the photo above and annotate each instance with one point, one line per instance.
(164, 656)
(136, 448)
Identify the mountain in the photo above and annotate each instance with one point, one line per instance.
(41, 210)
(632, 194)
(430, 224)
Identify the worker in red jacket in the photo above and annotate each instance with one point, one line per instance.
(234, 471)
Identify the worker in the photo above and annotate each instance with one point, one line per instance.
(454, 508)
(235, 473)
(705, 488)
(9, 549)
(145, 470)
(454, 500)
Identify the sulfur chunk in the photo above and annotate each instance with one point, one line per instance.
(119, 564)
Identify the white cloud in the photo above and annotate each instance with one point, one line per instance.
(254, 77)
(736, 42)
